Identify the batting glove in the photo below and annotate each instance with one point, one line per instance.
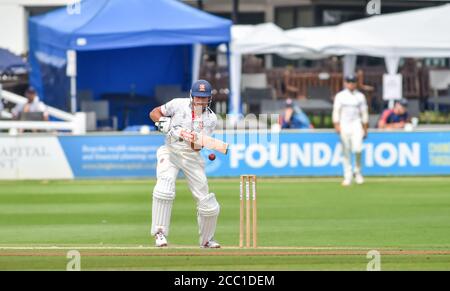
(163, 125)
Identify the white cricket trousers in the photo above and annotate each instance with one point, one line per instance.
(352, 143)
(169, 163)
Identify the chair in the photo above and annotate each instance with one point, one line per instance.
(252, 98)
(413, 108)
(31, 116)
(220, 91)
(165, 93)
(319, 92)
(91, 121)
(373, 120)
(258, 81)
(439, 80)
(84, 95)
(101, 109)
(271, 106)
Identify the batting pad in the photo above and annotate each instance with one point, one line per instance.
(208, 206)
(164, 189)
(208, 211)
(161, 212)
(207, 228)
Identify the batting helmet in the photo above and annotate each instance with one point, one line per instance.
(201, 88)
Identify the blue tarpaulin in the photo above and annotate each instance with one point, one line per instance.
(123, 46)
(10, 63)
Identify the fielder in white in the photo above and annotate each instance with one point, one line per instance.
(351, 119)
(194, 115)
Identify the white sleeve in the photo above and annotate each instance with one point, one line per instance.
(1, 105)
(336, 116)
(364, 109)
(211, 126)
(169, 108)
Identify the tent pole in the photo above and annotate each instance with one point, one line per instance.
(392, 63)
(235, 12)
(196, 61)
(230, 75)
(71, 71)
(234, 99)
(73, 94)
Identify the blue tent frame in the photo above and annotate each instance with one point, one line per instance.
(122, 46)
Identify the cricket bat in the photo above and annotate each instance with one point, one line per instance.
(203, 140)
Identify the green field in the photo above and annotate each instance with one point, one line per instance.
(303, 224)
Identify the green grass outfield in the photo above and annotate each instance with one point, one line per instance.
(303, 224)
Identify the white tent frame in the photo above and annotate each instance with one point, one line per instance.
(420, 33)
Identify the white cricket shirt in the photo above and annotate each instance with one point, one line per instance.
(350, 110)
(179, 109)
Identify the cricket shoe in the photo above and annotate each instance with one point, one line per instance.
(160, 240)
(346, 182)
(212, 244)
(359, 179)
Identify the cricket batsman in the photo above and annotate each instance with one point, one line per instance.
(351, 120)
(187, 116)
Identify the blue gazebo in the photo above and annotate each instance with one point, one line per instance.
(120, 46)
